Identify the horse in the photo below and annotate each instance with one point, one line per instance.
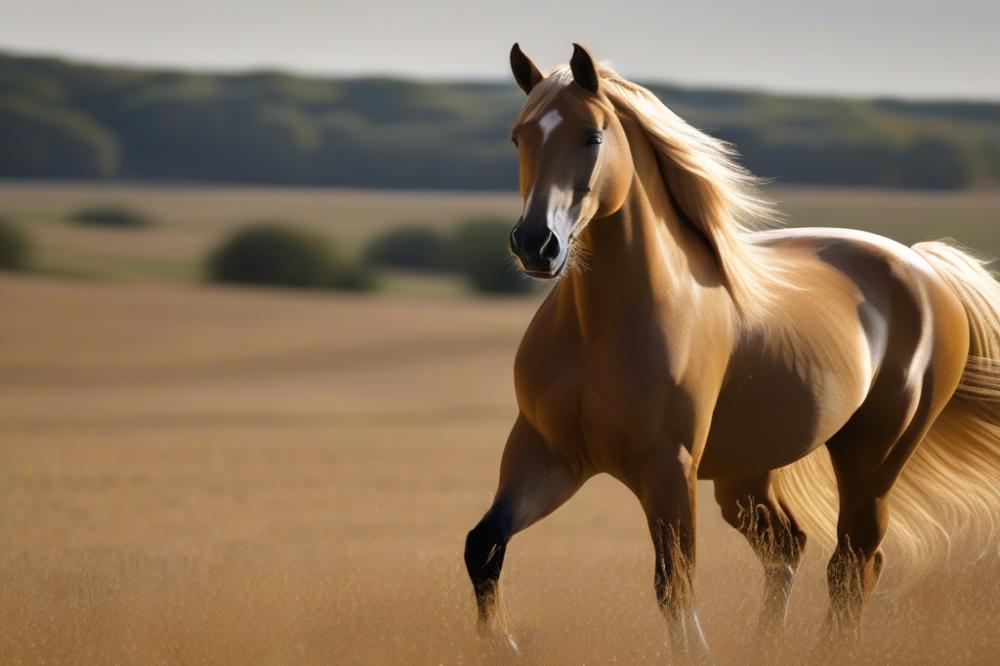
(687, 336)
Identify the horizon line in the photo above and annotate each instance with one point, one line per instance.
(301, 72)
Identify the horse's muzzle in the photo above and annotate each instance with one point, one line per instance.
(541, 253)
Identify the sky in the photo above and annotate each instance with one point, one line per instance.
(911, 49)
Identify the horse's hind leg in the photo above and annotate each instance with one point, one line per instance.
(866, 468)
(856, 563)
(752, 507)
(533, 483)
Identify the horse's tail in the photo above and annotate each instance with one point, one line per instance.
(950, 487)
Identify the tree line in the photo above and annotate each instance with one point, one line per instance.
(68, 120)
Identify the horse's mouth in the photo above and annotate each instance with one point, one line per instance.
(546, 275)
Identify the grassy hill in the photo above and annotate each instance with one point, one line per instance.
(61, 119)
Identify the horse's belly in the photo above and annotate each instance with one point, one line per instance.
(768, 421)
(755, 448)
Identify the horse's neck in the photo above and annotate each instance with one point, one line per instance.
(640, 257)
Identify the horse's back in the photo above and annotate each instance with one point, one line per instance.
(847, 249)
(901, 294)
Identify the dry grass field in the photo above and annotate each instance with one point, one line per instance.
(210, 476)
(193, 475)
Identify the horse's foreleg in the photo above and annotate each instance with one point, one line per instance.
(751, 506)
(667, 496)
(533, 482)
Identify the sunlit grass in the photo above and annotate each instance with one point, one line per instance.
(205, 475)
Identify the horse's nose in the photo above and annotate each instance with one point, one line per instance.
(515, 242)
(535, 245)
(549, 249)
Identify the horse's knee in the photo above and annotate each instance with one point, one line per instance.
(485, 545)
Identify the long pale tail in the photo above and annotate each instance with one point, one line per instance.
(949, 490)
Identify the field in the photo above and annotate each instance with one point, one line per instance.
(193, 475)
(191, 220)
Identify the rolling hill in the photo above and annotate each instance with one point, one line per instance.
(68, 120)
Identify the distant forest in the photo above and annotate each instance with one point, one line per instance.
(67, 120)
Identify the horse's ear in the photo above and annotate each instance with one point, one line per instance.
(525, 72)
(584, 70)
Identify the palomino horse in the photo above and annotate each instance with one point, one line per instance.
(681, 344)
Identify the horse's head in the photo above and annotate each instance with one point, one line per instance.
(573, 153)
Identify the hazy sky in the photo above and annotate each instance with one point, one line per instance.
(913, 49)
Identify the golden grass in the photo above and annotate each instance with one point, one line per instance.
(195, 476)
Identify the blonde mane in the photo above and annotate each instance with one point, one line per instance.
(715, 193)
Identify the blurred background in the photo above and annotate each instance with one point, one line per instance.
(258, 319)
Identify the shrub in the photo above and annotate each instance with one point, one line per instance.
(480, 249)
(410, 248)
(15, 250)
(275, 254)
(111, 216)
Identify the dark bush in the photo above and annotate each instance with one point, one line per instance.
(15, 250)
(481, 251)
(275, 254)
(111, 216)
(411, 248)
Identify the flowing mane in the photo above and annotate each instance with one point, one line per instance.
(714, 193)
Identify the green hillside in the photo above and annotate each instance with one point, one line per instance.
(66, 120)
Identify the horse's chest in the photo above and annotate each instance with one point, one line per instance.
(599, 408)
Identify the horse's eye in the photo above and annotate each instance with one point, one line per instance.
(513, 140)
(594, 139)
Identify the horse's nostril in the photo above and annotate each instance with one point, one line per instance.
(550, 248)
(515, 246)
